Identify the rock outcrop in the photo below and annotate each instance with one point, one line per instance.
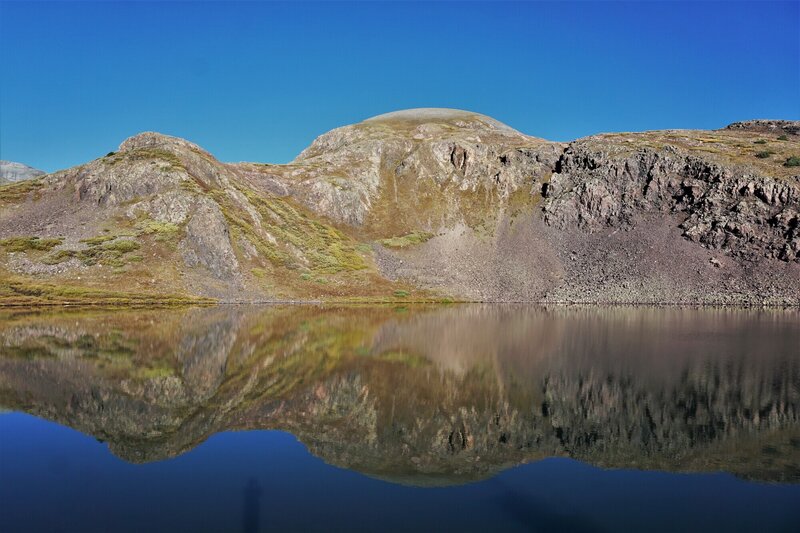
(743, 214)
(423, 204)
(791, 127)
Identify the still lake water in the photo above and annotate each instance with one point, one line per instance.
(459, 418)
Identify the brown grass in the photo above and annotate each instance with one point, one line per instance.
(18, 291)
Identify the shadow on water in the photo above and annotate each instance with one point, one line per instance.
(251, 507)
(534, 515)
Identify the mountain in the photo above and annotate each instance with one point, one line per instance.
(419, 204)
(11, 172)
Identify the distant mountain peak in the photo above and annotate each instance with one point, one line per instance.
(11, 171)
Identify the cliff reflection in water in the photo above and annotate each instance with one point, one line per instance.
(425, 395)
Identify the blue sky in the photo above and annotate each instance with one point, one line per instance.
(258, 81)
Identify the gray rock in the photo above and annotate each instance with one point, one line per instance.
(207, 242)
(791, 127)
(742, 214)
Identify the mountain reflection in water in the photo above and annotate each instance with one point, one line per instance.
(429, 395)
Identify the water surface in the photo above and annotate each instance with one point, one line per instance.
(463, 418)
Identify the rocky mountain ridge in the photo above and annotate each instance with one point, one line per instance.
(420, 204)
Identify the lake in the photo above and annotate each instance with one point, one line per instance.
(381, 418)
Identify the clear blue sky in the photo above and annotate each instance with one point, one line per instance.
(258, 81)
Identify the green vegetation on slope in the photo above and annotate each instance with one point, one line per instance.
(414, 238)
(326, 249)
(288, 238)
(16, 192)
(25, 244)
(172, 162)
(163, 231)
(105, 250)
(17, 291)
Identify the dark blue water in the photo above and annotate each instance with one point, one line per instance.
(54, 478)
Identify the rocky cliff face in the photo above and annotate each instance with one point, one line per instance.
(421, 204)
(742, 212)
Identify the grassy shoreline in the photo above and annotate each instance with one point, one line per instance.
(148, 301)
(18, 293)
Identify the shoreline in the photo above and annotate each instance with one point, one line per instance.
(159, 303)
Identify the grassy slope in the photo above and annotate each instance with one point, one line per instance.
(764, 153)
(23, 291)
(137, 262)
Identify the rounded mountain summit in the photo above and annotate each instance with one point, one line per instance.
(441, 115)
(420, 204)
